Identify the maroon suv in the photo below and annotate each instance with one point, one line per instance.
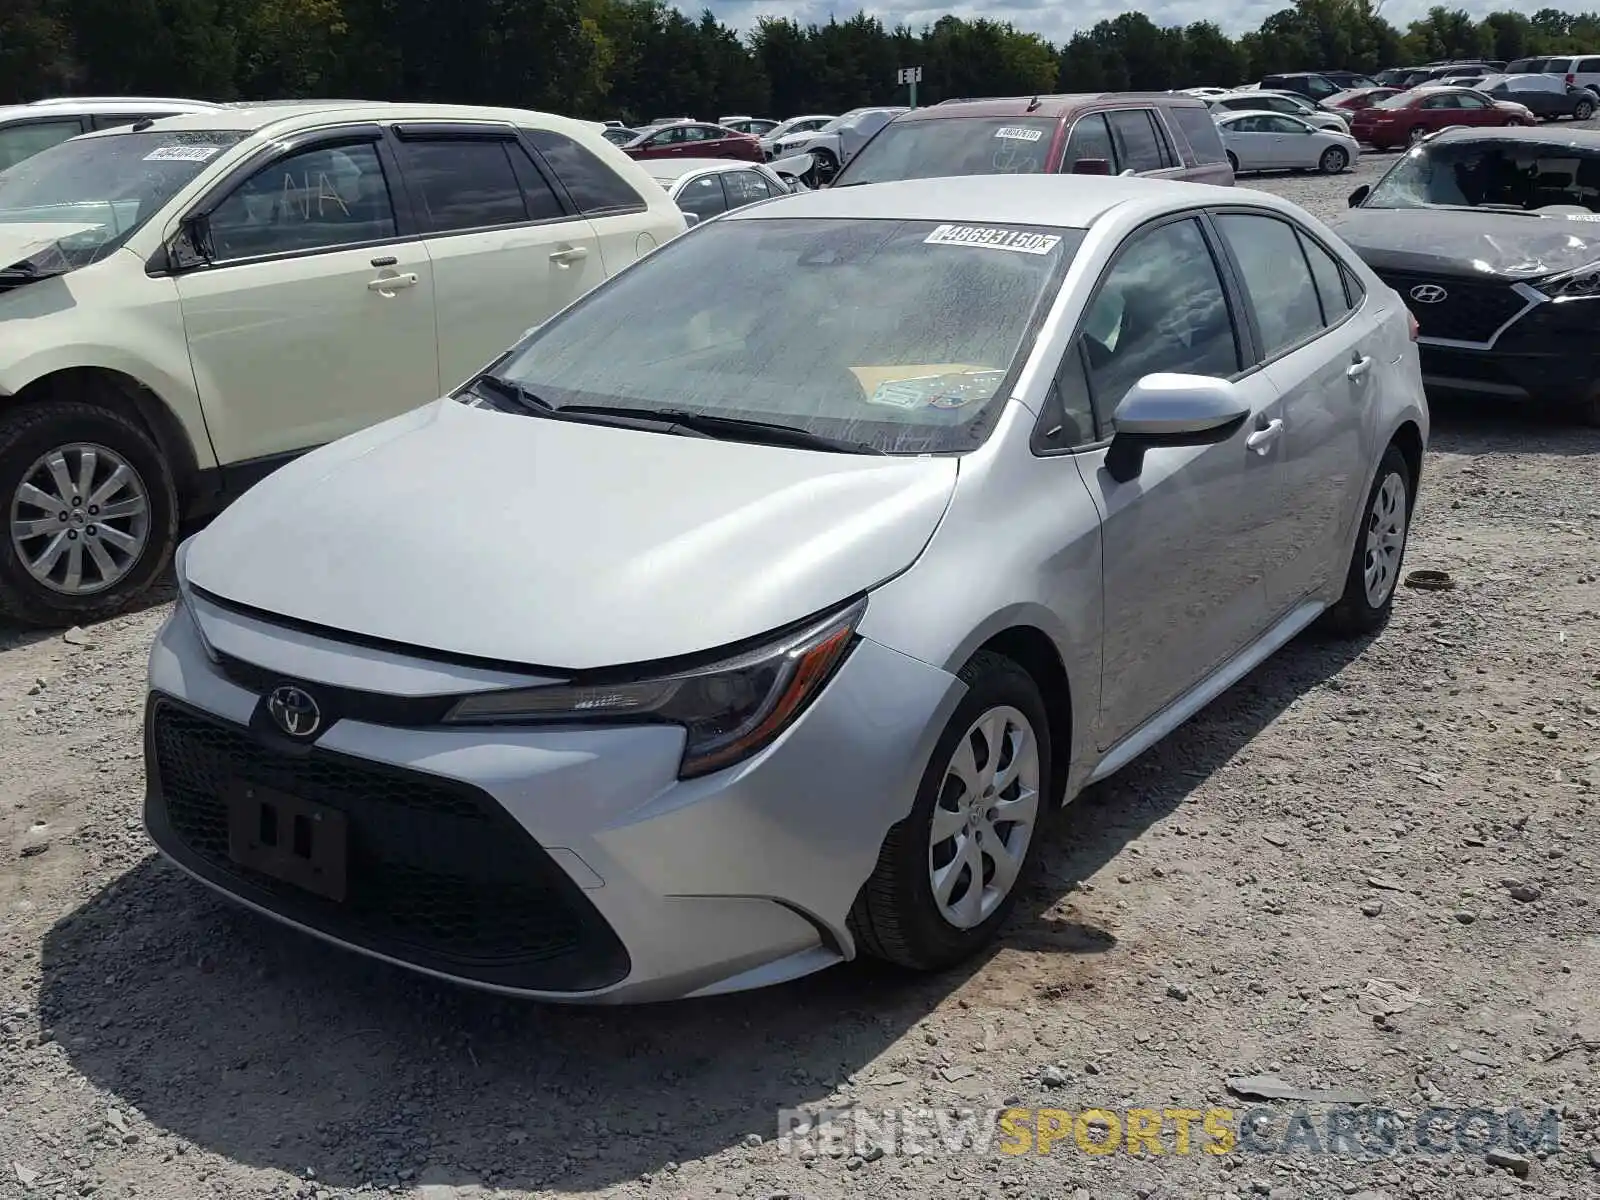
(1158, 134)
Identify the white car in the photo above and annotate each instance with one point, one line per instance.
(1269, 141)
(823, 554)
(188, 304)
(837, 142)
(1287, 103)
(26, 129)
(704, 187)
(794, 125)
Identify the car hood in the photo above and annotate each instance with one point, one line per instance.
(562, 545)
(20, 241)
(1470, 242)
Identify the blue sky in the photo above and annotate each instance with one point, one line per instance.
(1057, 21)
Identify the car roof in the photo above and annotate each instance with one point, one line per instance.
(1043, 106)
(676, 168)
(111, 106)
(290, 116)
(1061, 201)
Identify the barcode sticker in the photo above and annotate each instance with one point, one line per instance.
(993, 239)
(1017, 134)
(183, 154)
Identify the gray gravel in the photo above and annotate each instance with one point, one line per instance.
(1367, 868)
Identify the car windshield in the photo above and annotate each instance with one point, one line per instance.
(106, 186)
(954, 146)
(911, 328)
(1513, 176)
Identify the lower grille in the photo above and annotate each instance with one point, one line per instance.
(439, 875)
(1470, 312)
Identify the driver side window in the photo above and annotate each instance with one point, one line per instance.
(323, 198)
(1161, 307)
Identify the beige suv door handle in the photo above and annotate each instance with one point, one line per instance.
(392, 283)
(568, 255)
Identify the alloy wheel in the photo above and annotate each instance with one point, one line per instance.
(1583, 111)
(984, 817)
(80, 518)
(1386, 539)
(1334, 160)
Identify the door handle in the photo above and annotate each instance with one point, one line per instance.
(571, 254)
(1261, 440)
(392, 283)
(1358, 369)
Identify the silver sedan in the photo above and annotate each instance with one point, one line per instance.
(1267, 141)
(752, 614)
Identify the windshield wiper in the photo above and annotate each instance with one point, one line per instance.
(500, 388)
(729, 428)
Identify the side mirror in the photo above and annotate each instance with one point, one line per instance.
(1358, 197)
(1172, 410)
(1091, 166)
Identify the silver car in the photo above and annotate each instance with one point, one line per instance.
(749, 616)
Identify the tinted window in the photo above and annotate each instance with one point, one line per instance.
(745, 187)
(1160, 308)
(1329, 278)
(1068, 417)
(316, 200)
(1588, 66)
(1091, 138)
(1135, 140)
(543, 203)
(593, 186)
(1201, 130)
(1277, 277)
(950, 146)
(697, 133)
(24, 141)
(464, 184)
(703, 197)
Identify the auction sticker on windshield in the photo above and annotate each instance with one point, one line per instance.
(993, 239)
(183, 153)
(1019, 135)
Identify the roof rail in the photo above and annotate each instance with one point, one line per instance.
(49, 100)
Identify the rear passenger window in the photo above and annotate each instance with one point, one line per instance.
(1090, 139)
(1329, 278)
(465, 184)
(1588, 66)
(1161, 307)
(703, 197)
(1135, 139)
(745, 187)
(594, 187)
(1277, 277)
(1201, 129)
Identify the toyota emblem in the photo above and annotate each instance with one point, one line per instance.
(294, 711)
(1428, 293)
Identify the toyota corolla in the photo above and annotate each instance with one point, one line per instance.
(680, 653)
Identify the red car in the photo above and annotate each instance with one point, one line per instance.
(691, 139)
(1358, 98)
(1405, 119)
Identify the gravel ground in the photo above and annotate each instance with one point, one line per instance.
(1368, 867)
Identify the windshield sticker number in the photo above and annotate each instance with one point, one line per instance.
(993, 239)
(1016, 134)
(183, 154)
(937, 391)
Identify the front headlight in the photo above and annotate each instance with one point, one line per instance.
(1582, 283)
(729, 710)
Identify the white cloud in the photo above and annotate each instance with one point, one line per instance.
(1053, 21)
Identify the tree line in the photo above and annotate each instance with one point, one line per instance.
(638, 60)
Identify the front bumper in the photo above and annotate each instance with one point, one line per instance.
(567, 865)
(1550, 353)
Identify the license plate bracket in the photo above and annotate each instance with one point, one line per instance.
(290, 839)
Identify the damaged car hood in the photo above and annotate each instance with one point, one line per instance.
(22, 240)
(564, 545)
(1471, 242)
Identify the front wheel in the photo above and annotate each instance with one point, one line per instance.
(947, 874)
(824, 166)
(1334, 160)
(1374, 569)
(91, 514)
(1415, 137)
(1582, 111)
(1233, 161)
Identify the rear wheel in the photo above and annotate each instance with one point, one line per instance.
(1374, 569)
(948, 873)
(1334, 160)
(90, 511)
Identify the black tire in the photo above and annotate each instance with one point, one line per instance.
(824, 167)
(29, 432)
(1333, 161)
(1587, 410)
(895, 917)
(1355, 613)
(1233, 161)
(1416, 135)
(1582, 110)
